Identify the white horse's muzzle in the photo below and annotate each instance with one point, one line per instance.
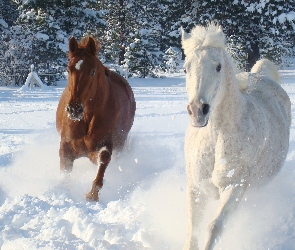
(199, 115)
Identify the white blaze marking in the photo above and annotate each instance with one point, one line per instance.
(78, 64)
(230, 173)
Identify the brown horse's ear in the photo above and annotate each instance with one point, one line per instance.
(107, 71)
(91, 46)
(73, 45)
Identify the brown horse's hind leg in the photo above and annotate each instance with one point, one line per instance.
(104, 158)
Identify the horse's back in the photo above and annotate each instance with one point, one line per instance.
(126, 101)
(267, 117)
(272, 121)
(268, 80)
(123, 92)
(272, 97)
(122, 83)
(263, 83)
(265, 67)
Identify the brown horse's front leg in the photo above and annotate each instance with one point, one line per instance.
(104, 158)
(66, 157)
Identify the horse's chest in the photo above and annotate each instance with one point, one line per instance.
(200, 149)
(75, 130)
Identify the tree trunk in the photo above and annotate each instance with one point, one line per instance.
(122, 20)
(121, 55)
(253, 55)
(68, 24)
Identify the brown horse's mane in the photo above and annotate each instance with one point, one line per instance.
(82, 45)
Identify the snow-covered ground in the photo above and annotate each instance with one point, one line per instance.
(143, 201)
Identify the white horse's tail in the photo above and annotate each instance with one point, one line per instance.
(266, 67)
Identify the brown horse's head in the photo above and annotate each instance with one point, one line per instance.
(84, 70)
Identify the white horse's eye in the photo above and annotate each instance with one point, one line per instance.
(184, 70)
(218, 67)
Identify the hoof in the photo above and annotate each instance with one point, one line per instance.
(92, 196)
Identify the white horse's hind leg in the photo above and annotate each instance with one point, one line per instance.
(229, 199)
(196, 205)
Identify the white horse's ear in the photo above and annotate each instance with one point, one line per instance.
(184, 35)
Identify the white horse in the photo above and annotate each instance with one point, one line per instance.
(235, 137)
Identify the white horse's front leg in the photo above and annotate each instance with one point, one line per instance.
(196, 205)
(229, 200)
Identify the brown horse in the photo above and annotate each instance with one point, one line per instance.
(95, 112)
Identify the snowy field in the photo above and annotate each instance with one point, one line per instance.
(143, 201)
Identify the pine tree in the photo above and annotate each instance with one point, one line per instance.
(19, 54)
(263, 30)
(47, 26)
(8, 11)
(171, 21)
(130, 37)
(279, 28)
(138, 34)
(241, 27)
(8, 14)
(253, 28)
(244, 33)
(40, 40)
(136, 60)
(82, 18)
(143, 54)
(191, 15)
(114, 39)
(3, 47)
(173, 57)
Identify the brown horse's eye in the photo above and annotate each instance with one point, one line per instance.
(92, 72)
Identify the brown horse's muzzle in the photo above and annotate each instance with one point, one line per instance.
(75, 112)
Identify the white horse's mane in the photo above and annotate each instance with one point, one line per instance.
(209, 36)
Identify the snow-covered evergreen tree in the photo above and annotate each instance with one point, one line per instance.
(3, 47)
(8, 14)
(114, 39)
(239, 26)
(143, 54)
(8, 11)
(47, 26)
(171, 13)
(139, 34)
(82, 18)
(263, 30)
(150, 24)
(190, 17)
(172, 59)
(253, 28)
(40, 38)
(278, 25)
(19, 54)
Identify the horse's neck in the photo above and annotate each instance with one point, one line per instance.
(103, 90)
(231, 100)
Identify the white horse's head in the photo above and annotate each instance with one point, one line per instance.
(204, 50)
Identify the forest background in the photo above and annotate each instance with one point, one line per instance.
(138, 37)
